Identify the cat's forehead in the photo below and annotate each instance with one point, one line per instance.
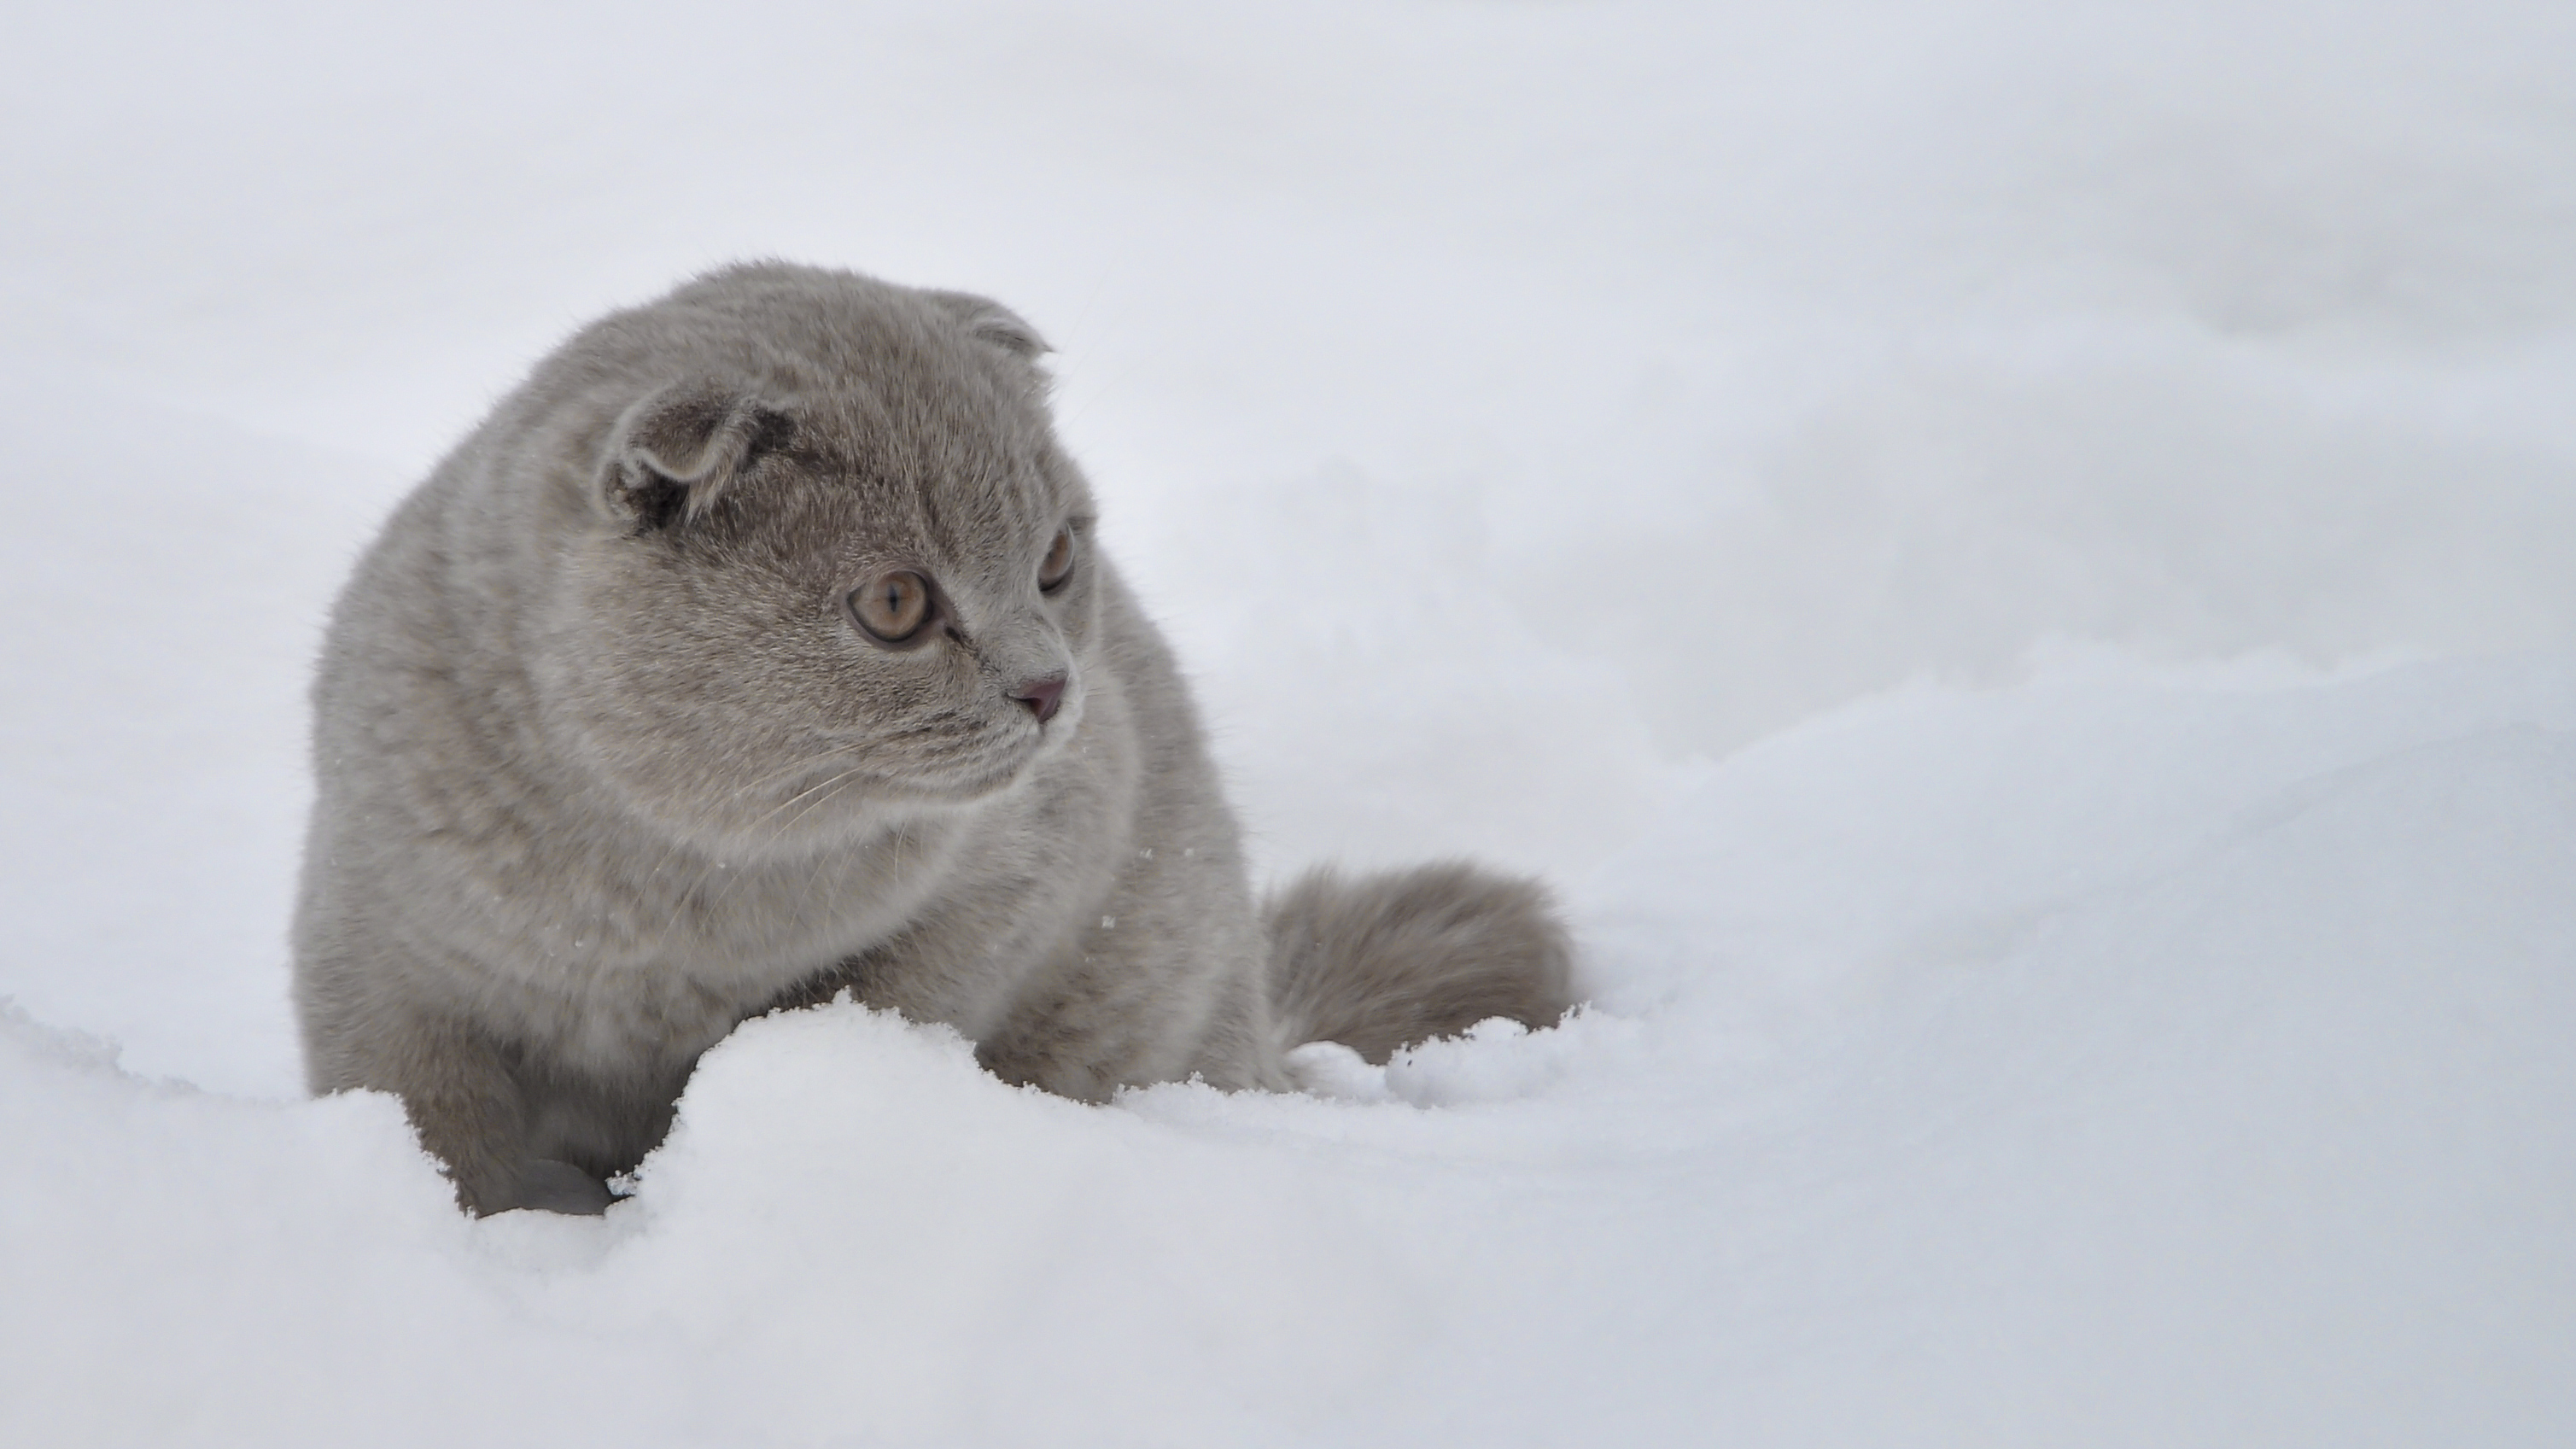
(955, 486)
(915, 422)
(934, 451)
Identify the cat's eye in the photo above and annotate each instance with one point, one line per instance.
(1057, 566)
(893, 606)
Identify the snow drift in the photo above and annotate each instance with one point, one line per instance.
(2011, 558)
(2100, 1061)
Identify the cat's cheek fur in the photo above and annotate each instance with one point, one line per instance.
(603, 769)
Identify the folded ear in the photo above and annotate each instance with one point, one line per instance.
(675, 452)
(992, 322)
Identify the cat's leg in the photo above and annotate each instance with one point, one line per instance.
(584, 1129)
(1239, 1047)
(459, 1091)
(1165, 987)
(549, 1184)
(464, 1093)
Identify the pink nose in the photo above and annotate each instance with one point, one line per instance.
(1041, 696)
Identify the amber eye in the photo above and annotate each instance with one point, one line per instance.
(893, 607)
(1057, 566)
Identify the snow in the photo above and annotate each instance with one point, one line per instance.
(2008, 559)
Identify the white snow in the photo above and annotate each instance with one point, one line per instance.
(2010, 559)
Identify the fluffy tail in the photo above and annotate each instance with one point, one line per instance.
(1385, 960)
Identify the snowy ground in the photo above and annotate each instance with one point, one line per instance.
(2011, 560)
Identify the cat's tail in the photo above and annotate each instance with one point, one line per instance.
(1384, 960)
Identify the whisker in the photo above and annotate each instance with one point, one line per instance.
(705, 814)
(832, 788)
(680, 901)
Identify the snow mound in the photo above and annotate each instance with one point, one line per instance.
(2109, 1060)
(1609, 440)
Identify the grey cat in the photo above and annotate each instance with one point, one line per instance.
(761, 646)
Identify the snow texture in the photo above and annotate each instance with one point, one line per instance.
(2010, 559)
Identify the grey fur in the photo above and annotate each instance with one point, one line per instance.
(605, 765)
(1409, 955)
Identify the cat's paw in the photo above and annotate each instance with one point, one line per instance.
(548, 1185)
(1330, 1069)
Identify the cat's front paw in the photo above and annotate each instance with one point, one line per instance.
(1330, 1069)
(551, 1186)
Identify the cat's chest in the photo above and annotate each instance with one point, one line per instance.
(639, 945)
(644, 956)
(747, 929)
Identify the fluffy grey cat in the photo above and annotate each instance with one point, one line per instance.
(761, 646)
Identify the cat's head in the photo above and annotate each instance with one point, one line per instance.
(832, 560)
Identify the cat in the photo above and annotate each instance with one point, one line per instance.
(759, 647)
